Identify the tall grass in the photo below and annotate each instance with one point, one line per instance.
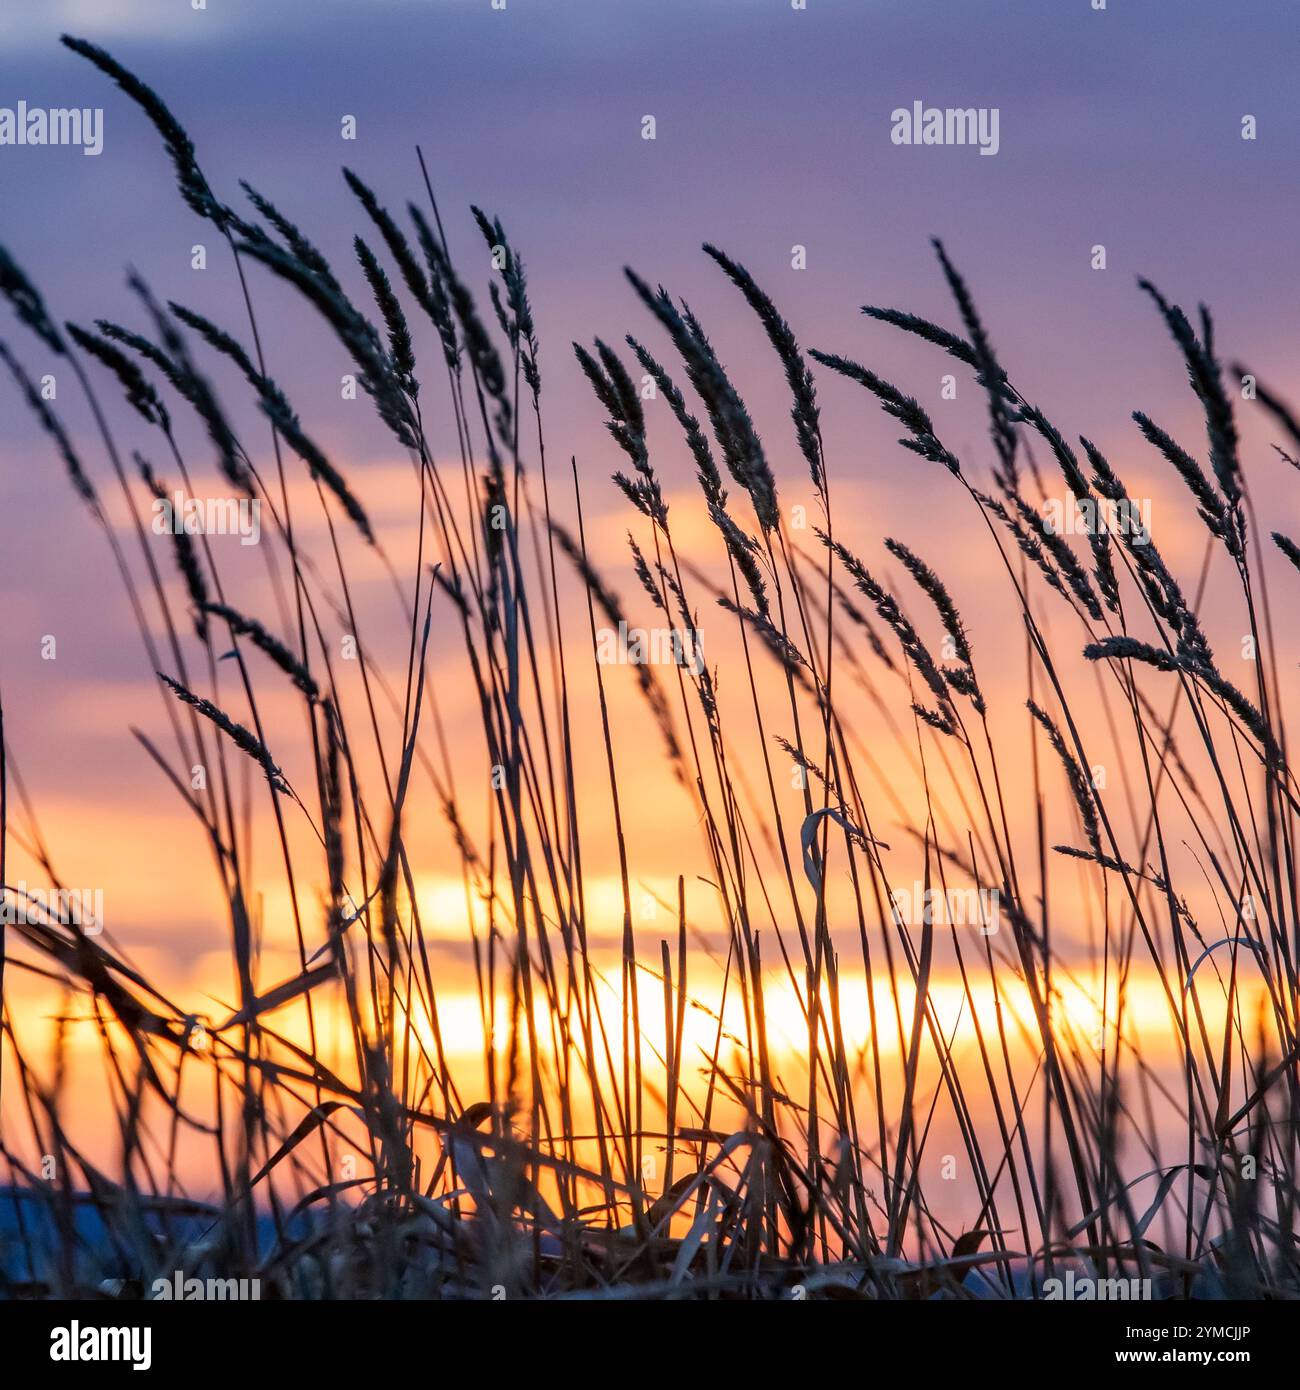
(602, 1150)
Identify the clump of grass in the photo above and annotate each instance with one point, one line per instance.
(811, 1166)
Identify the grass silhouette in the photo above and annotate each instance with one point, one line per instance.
(539, 1184)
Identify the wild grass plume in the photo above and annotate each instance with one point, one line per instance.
(823, 1073)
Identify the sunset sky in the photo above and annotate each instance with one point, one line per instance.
(1120, 128)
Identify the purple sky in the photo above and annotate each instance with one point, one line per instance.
(1120, 127)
